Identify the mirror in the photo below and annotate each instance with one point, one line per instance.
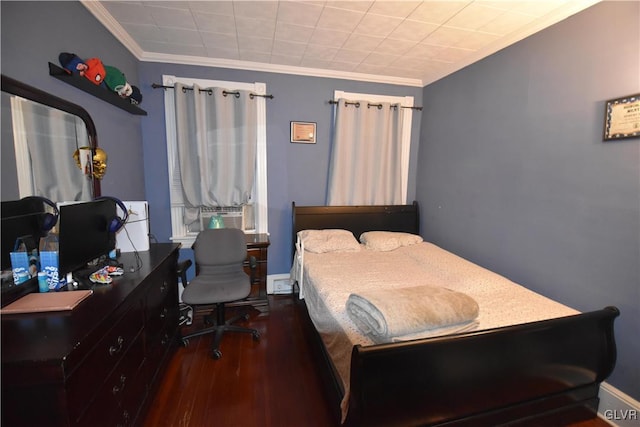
(48, 145)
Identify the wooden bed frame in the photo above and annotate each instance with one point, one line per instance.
(515, 375)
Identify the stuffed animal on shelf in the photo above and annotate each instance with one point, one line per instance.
(92, 68)
(72, 63)
(106, 76)
(136, 96)
(116, 81)
(95, 71)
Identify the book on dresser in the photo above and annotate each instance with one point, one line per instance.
(49, 301)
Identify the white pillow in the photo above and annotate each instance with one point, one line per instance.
(329, 240)
(388, 240)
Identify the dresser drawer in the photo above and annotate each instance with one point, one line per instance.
(161, 344)
(161, 322)
(103, 358)
(156, 357)
(161, 299)
(134, 396)
(123, 391)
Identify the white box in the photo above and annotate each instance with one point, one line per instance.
(134, 236)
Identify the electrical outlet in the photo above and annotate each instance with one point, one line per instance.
(282, 286)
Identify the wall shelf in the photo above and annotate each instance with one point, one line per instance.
(95, 90)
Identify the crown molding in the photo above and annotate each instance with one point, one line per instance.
(105, 18)
(95, 7)
(274, 68)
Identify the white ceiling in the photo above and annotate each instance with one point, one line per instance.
(399, 42)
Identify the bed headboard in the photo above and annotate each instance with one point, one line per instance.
(357, 219)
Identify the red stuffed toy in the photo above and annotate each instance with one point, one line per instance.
(92, 69)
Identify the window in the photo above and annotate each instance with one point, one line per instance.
(44, 140)
(348, 153)
(186, 233)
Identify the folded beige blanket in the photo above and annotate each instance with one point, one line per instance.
(383, 314)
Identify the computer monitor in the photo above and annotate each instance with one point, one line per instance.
(19, 218)
(84, 234)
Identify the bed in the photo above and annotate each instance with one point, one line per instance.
(486, 372)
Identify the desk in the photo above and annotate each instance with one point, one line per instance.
(99, 364)
(257, 245)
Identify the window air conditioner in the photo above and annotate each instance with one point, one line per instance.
(232, 216)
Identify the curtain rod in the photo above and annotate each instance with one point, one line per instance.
(224, 92)
(357, 104)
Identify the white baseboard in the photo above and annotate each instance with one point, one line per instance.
(618, 408)
(279, 284)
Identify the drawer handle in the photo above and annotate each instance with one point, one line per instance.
(117, 348)
(164, 340)
(164, 287)
(125, 417)
(164, 313)
(119, 387)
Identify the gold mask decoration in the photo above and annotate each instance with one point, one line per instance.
(99, 162)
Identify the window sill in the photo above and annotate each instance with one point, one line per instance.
(188, 240)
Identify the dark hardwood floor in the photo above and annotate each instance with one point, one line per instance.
(272, 382)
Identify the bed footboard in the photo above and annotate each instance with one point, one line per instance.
(484, 377)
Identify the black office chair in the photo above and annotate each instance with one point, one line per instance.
(219, 255)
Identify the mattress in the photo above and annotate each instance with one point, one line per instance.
(327, 279)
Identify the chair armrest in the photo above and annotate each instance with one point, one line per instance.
(181, 269)
(253, 264)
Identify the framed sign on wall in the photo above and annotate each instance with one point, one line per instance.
(622, 118)
(303, 132)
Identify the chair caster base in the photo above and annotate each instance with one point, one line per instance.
(255, 335)
(216, 354)
(186, 314)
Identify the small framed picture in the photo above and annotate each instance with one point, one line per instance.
(622, 118)
(303, 132)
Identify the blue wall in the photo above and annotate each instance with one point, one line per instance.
(33, 34)
(295, 172)
(513, 173)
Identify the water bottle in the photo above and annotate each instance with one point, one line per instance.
(43, 286)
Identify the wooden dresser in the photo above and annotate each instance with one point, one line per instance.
(99, 364)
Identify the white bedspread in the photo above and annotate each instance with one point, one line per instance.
(328, 279)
